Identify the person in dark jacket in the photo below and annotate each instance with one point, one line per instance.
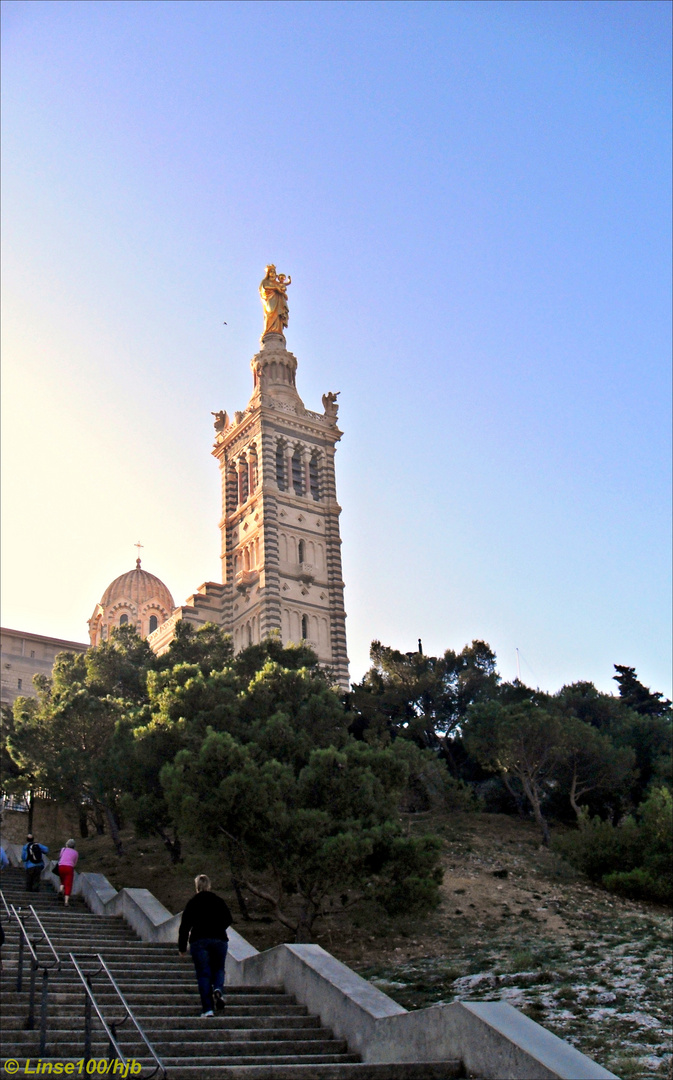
(204, 923)
(32, 858)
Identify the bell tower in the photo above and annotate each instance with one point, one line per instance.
(280, 547)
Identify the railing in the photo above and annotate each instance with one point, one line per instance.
(55, 963)
(110, 1030)
(10, 801)
(14, 802)
(8, 915)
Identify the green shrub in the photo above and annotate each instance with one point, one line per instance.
(461, 796)
(640, 884)
(634, 858)
(599, 847)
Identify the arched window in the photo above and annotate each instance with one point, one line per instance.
(123, 620)
(243, 489)
(314, 477)
(280, 466)
(249, 634)
(296, 473)
(254, 473)
(232, 490)
(304, 626)
(301, 551)
(154, 622)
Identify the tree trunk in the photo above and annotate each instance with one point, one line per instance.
(240, 899)
(534, 799)
(174, 847)
(303, 931)
(573, 797)
(83, 822)
(517, 798)
(114, 831)
(98, 818)
(31, 810)
(273, 901)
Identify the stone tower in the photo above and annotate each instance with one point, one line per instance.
(281, 549)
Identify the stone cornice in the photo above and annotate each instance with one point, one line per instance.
(279, 414)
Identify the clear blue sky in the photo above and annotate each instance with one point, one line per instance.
(473, 200)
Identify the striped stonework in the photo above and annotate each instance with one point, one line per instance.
(281, 557)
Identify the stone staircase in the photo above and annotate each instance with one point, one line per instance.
(263, 1034)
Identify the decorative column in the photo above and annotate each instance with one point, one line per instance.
(288, 464)
(251, 471)
(306, 463)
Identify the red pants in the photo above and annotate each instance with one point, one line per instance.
(66, 874)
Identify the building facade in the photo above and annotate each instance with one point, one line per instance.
(280, 541)
(280, 536)
(24, 655)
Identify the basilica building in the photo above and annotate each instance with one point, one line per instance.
(280, 540)
(280, 544)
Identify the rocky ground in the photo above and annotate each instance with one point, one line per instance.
(591, 967)
(515, 922)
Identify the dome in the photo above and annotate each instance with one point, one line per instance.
(138, 586)
(136, 599)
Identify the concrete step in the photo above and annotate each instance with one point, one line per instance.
(207, 1047)
(57, 1000)
(206, 1062)
(74, 941)
(204, 1038)
(448, 1070)
(191, 1027)
(156, 1019)
(69, 927)
(70, 915)
(144, 1004)
(67, 974)
(228, 1053)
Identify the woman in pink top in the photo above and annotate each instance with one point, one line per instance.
(67, 861)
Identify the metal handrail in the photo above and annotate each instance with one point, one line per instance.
(24, 940)
(45, 937)
(111, 1030)
(24, 935)
(90, 1001)
(2, 897)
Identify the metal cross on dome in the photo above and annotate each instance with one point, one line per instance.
(138, 545)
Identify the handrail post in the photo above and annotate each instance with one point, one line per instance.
(19, 974)
(30, 1022)
(43, 1012)
(87, 1025)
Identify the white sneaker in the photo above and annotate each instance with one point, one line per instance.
(209, 1013)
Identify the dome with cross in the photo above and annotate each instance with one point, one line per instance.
(136, 598)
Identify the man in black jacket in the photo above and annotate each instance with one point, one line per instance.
(204, 922)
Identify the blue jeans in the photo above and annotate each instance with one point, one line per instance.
(209, 955)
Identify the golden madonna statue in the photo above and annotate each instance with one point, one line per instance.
(273, 291)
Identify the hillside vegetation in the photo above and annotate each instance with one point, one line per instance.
(444, 832)
(514, 921)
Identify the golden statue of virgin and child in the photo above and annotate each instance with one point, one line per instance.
(273, 291)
